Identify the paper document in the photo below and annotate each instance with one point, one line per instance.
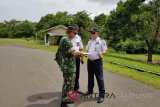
(86, 53)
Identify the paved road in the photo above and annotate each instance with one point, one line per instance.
(31, 78)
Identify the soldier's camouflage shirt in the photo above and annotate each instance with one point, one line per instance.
(68, 63)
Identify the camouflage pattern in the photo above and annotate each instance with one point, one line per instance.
(68, 68)
(68, 85)
(68, 63)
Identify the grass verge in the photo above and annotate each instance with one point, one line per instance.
(138, 57)
(145, 66)
(142, 77)
(29, 44)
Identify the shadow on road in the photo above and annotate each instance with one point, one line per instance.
(55, 98)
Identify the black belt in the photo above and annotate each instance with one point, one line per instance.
(94, 60)
(77, 57)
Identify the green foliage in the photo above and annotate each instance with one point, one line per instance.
(40, 35)
(3, 31)
(81, 18)
(101, 20)
(132, 27)
(134, 20)
(45, 21)
(131, 47)
(157, 47)
(16, 29)
(11, 27)
(24, 29)
(62, 18)
(119, 24)
(51, 20)
(85, 23)
(148, 24)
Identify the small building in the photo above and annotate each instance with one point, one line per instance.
(53, 35)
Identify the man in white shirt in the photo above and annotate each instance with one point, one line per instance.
(97, 48)
(78, 46)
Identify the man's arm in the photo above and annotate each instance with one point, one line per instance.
(81, 49)
(77, 53)
(104, 48)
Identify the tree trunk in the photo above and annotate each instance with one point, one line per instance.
(151, 44)
(150, 51)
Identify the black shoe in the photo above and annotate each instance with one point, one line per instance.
(64, 105)
(100, 99)
(87, 93)
(69, 102)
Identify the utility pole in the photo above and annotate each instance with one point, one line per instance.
(36, 37)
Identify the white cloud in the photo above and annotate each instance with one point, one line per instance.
(34, 9)
(104, 2)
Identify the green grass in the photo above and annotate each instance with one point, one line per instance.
(145, 66)
(126, 59)
(29, 44)
(2, 41)
(138, 57)
(142, 77)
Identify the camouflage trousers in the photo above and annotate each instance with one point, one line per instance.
(68, 85)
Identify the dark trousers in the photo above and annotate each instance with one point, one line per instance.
(96, 68)
(76, 87)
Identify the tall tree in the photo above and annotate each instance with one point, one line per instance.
(51, 20)
(119, 26)
(62, 18)
(83, 20)
(135, 20)
(101, 20)
(11, 27)
(45, 21)
(148, 25)
(3, 31)
(25, 29)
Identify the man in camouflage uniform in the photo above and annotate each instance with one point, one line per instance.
(68, 66)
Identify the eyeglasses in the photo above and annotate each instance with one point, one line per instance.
(93, 32)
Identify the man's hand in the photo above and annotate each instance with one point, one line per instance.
(82, 62)
(77, 53)
(102, 53)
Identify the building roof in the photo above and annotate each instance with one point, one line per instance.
(55, 34)
(59, 26)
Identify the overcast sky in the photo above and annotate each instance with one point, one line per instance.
(33, 10)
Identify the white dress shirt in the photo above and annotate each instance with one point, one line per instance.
(95, 47)
(77, 42)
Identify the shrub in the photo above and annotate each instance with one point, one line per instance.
(132, 47)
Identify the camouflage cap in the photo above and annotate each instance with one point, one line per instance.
(71, 28)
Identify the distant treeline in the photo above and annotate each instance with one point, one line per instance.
(133, 27)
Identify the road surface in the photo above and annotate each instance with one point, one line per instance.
(31, 78)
